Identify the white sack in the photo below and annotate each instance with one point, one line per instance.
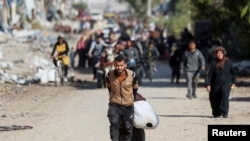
(46, 75)
(145, 116)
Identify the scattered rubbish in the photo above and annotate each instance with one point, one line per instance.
(14, 127)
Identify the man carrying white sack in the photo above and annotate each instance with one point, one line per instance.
(122, 85)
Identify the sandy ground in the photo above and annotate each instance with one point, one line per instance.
(77, 112)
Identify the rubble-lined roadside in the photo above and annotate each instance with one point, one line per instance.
(25, 60)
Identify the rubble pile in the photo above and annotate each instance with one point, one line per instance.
(28, 61)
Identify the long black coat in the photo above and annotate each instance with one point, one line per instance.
(220, 78)
(220, 81)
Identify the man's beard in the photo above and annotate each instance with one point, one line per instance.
(120, 72)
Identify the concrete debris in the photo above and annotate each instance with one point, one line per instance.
(10, 78)
(5, 65)
(45, 73)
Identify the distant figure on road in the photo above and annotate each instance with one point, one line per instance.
(151, 54)
(192, 63)
(61, 49)
(174, 63)
(81, 52)
(219, 80)
(72, 54)
(95, 52)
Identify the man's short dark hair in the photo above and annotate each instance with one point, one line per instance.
(192, 41)
(120, 58)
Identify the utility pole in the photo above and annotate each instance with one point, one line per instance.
(149, 8)
(89, 4)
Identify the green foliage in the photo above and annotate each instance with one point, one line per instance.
(79, 6)
(230, 20)
(230, 23)
(180, 18)
(245, 11)
(139, 7)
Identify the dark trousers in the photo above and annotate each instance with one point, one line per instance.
(219, 101)
(121, 116)
(175, 74)
(138, 134)
(94, 61)
(82, 58)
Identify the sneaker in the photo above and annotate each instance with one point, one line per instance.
(65, 79)
(216, 116)
(194, 96)
(225, 116)
(188, 96)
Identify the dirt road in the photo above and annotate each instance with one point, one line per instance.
(78, 112)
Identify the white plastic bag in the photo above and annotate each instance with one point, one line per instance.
(145, 116)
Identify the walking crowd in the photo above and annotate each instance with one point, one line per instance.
(121, 58)
(132, 52)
